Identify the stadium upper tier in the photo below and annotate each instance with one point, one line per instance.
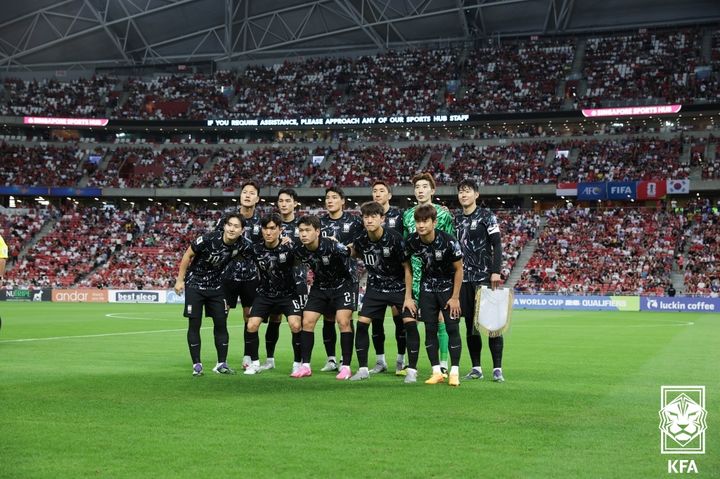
(488, 162)
(519, 75)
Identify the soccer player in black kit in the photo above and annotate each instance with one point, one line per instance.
(389, 283)
(381, 194)
(344, 228)
(201, 276)
(277, 292)
(287, 202)
(479, 236)
(241, 276)
(334, 289)
(442, 273)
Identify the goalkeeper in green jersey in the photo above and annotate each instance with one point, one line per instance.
(424, 185)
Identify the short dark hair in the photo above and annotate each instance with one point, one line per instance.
(234, 215)
(335, 189)
(250, 183)
(424, 176)
(425, 212)
(372, 208)
(310, 220)
(288, 191)
(383, 183)
(271, 218)
(467, 183)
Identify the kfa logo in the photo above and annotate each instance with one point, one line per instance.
(683, 420)
(346, 227)
(392, 222)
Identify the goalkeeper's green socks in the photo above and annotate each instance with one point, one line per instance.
(443, 343)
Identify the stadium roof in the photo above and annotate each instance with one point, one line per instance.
(43, 34)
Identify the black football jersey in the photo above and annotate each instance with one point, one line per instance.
(212, 257)
(290, 230)
(436, 259)
(276, 269)
(394, 220)
(245, 270)
(474, 231)
(330, 263)
(383, 260)
(345, 229)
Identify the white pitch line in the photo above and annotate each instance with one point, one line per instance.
(138, 318)
(82, 336)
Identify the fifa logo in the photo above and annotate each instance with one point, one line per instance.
(683, 420)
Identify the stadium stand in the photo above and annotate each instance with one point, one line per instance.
(19, 229)
(651, 65)
(701, 273)
(603, 251)
(517, 163)
(267, 166)
(399, 83)
(179, 96)
(516, 77)
(160, 235)
(39, 165)
(82, 97)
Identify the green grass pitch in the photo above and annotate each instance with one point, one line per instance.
(106, 391)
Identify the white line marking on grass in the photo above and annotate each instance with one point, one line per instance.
(139, 318)
(84, 336)
(591, 325)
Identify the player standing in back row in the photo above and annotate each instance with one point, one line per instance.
(344, 228)
(479, 237)
(424, 188)
(381, 194)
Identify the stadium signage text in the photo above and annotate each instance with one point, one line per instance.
(368, 120)
(38, 120)
(82, 295)
(586, 303)
(149, 296)
(697, 305)
(25, 295)
(631, 111)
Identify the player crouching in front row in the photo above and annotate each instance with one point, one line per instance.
(442, 274)
(334, 290)
(276, 293)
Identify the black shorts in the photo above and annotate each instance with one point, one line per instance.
(467, 300)
(432, 304)
(328, 301)
(374, 304)
(245, 290)
(212, 299)
(263, 306)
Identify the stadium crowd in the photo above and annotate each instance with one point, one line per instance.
(513, 75)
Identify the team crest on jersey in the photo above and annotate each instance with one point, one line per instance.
(256, 229)
(326, 260)
(438, 255)
(283, 257)
(386, 252)
(391, 222)
(473, 225)
(235, 252)
(297, 232)
(346, 227)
